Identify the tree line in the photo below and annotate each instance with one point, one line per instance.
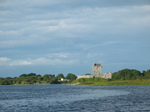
(131, 74)
(33, 78)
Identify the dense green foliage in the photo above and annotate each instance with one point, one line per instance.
(146, 74)
(131, 74)
(33, 78)
(59, 76)
(6, 81)
(71, 76)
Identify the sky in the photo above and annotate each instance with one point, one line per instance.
(68, 36)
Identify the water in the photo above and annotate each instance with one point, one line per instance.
(70, 98)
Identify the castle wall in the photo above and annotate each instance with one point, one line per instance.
(107, 75)
(84, 76)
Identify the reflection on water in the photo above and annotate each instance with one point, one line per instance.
(62, 98)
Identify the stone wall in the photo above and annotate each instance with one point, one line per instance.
(107, 75)
(84, 76)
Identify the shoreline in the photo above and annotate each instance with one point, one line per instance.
(137, 82)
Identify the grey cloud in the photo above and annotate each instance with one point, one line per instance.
(87, 31)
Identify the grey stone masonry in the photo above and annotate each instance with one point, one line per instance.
(97, 70)
(84, 76)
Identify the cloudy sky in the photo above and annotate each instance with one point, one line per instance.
(68, 36)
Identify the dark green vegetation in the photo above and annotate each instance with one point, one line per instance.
(131, 74)
(122, 77)
(33, 78)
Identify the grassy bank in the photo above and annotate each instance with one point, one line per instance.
(105, 82)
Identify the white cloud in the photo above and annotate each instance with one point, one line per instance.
(37, 62)
(61, 25)
(45, 22)
(20, 63)
(2, 59)
(54, 62)
(77, 23)
(61, 55)
(95, 55)
(8, 32)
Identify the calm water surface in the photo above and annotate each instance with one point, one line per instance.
(70, 98)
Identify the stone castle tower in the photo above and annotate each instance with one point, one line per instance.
(97, 70)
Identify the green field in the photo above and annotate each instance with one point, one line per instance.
(106, 82)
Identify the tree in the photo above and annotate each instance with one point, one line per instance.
(59, 76)
(87, 74)
(146, 74)
(6, 81)
(23, 75)
(30, 74)
(54, 81)
(48, 78)
(71, 76)
(127, 74)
